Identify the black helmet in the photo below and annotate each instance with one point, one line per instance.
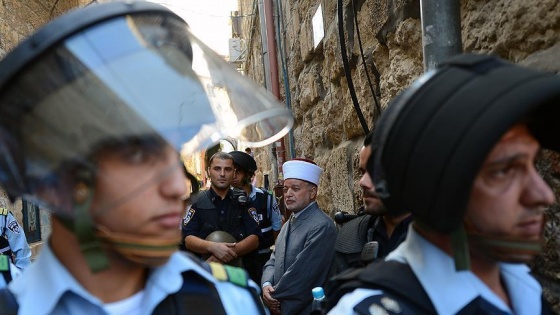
(222, 237)
(434, 137)
(244, 161)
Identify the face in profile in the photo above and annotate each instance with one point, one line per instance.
(238, 178)
(139, 190)
(298, 194)
(508, 197)
(372, 202)
(221, 172)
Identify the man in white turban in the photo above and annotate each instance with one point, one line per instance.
(304, 250)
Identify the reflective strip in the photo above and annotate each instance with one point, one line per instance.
(266, 229)
(5, 249)
(218, 271)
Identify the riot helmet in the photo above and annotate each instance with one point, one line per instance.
(222, 237)
(116, 75)
(434, 137)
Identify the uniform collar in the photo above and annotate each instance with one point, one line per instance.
(451, 290)
(40, 288)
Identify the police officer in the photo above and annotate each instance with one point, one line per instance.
(458, 149)
(221, 208)
(94, 109)
(14, 249)
(270, 218)
(374, 234)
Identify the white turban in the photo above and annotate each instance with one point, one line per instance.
(303, 170)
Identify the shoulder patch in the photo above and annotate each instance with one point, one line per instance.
(253, 213)
(378, 304)
(14, 227)
(188, 216)
(235, 275)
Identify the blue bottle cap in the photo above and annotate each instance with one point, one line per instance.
(318, 293)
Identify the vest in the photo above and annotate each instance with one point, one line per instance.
(262, 204)
(208, 216)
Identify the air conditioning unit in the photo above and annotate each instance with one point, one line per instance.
(236, 50)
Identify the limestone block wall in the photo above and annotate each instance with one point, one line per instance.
(327, 128)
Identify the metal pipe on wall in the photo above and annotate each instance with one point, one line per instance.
(274, 79)
(441, 30)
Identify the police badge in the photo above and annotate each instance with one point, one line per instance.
(253, 213)
(188, 216)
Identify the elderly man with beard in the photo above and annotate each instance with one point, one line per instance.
(304, 250)
(373, 235)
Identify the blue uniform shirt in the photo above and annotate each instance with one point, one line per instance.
(48, 288)
(273, 210)
(451, 290)
(16, 238)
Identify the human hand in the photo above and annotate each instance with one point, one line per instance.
(223, 252)
(272, 303)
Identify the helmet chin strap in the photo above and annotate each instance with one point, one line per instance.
(505, 249)
(83, 227)
(141, 250)
(95, 240)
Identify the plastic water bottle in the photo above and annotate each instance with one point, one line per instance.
(318, 307)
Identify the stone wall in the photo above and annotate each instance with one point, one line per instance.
(327, 128)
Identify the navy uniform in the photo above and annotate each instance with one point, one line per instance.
(210, 213)
(13, 244)
(270, 222)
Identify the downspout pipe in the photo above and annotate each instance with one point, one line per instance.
(274, 79)
(441, 31)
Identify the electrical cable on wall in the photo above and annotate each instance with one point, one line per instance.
(347, 72)
(377, 106)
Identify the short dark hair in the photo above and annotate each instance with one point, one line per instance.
(220, 155)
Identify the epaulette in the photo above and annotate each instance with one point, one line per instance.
(4, 211)
(235, 275)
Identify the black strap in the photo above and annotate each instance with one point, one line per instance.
(197, 294)
(8, 303)
(394, 278)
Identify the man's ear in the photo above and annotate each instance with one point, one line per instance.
(313, 190)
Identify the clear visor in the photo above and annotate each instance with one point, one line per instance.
(128, 78)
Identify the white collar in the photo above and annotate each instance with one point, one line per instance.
(51, 280)
(451, 290)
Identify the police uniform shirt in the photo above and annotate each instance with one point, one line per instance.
(48, 288)
(192, 224)
(16, 238)
(273, 211)
(450, 290)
